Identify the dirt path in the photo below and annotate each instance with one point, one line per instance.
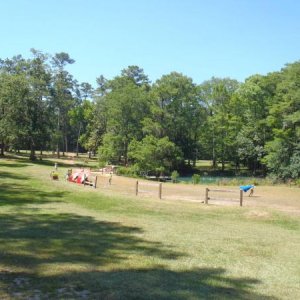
(281, 198)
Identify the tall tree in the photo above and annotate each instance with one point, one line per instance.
(136, 74)
(39, 80)
(14, 91)
(23, 93)
(126, 107)
(255, 96)
(157, 155)
(283, 151)
(217, 94)
(63, 101)
(177, 112)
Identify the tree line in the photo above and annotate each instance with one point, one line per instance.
(152, 127)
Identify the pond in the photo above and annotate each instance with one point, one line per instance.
(217, 179)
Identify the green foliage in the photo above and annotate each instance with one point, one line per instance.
(196, 178)
(174, 176)
(177, 111)
(131, 171)
(156, 126)
(297, 182)
(221, 126)
(283, 161)
(120, 113)
(154, 155)
(111, 149)
(283, 150)
(79, 117)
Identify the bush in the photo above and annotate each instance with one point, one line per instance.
(174, 176)
(127, 171)
(196, 178)
(297, 181)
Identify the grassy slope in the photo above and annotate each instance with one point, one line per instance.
(60, 240)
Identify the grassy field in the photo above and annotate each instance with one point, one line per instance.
(64, 241)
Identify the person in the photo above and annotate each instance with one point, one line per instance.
(68, 174)
(248, 187)
(110, 179)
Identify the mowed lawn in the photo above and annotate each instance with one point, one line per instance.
(60, 240)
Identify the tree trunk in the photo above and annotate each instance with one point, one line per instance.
(57, 150)
(77, 144)
(223, 156)
(32, 156)
(2, 149)
(214, 151)
(237, 166)
(63, 145)
(58, 126)
(66, 144)
(125, 153)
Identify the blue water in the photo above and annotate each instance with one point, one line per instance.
(214, 179)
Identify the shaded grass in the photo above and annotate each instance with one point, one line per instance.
(60, 241)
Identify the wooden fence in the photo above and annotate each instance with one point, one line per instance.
(223, 191)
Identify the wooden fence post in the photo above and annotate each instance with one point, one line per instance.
(241, 197)
(95, 184)
(160, 190)
(206, 195)
(136, 188)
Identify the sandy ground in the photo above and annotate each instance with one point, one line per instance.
(281, 198)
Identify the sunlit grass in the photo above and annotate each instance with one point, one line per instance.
(60, 240)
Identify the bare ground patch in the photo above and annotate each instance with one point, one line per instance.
(282, 198)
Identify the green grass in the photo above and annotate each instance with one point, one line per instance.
(62, 241)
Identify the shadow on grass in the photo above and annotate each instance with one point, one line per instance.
(66, 256)
(14, 193)
(15, 164)
(69, 256)
(9, 175)
(15, 188)
(22, 160)
(153, 283)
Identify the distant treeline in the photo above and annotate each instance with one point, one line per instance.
(152, 127)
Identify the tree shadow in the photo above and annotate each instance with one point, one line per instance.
(15, 164)
(80, 239)
(69, 256)
(79, 249)
(15, 189)
(161, 283)
(22, 160)
(50, 163)
(18, 194)
(8, 175)
(153, 283)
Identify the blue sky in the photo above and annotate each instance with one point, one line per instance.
(201, 39)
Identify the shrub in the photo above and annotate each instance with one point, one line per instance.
(297, 181)
(127, 171)
(196, 178)
(174, 176)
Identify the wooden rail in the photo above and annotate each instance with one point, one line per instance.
(207, 190)
(159, 188)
